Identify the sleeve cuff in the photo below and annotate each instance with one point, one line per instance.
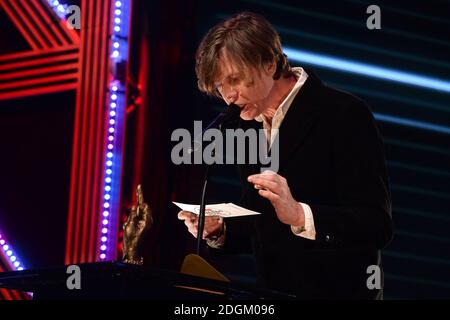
(218, 243)
(308, 231)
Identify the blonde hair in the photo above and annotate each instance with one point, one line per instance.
(249, 40)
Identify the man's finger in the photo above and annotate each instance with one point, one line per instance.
(272, 197)
(265, 184)
(182, 215)
(267, 176)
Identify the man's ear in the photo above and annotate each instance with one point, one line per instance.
(271, 68)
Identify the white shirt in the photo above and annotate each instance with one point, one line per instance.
(309, 232)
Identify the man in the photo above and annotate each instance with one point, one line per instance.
(326, 213)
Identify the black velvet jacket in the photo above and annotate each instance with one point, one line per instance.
(331, 154)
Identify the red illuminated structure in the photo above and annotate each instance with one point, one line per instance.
(60, 59)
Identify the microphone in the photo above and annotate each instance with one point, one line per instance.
(232, 112)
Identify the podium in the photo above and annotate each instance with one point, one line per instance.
(116, 280)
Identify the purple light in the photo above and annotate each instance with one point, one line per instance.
(8, 253)
(118, 51)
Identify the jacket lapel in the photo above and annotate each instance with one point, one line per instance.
(299, 120)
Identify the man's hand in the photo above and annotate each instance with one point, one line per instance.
(275, 188)
(213, 225)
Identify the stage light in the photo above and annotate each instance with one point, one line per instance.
(412, 123)
(10, 257)
(116, 118)
(367, 69)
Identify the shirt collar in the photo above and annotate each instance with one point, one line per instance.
(284, 106)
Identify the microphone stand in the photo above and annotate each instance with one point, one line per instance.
(201, 216)
(223, 117)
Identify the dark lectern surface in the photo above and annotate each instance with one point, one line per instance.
(115, 280)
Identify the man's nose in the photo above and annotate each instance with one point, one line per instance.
(231, 96)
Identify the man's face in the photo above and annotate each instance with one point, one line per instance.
(234, 88)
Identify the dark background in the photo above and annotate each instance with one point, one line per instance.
(36, 134)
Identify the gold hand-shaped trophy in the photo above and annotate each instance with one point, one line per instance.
(135, 230)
